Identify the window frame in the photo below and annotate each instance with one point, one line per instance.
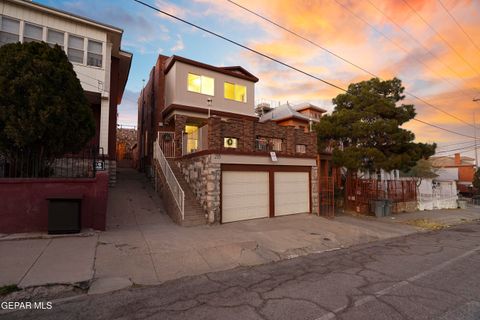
(235, 86)
(82, 50)
(202, 77)
(234, 144)
(304, 147)
(53, 44)
(90, 52)
(27, 23)
(7, 32)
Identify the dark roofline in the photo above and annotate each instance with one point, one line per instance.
(71, 15)
(225, 70)
(311, 106)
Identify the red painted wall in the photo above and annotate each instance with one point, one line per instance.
(24, 204)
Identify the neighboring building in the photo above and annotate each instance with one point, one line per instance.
(126, 143)
(300, 116)
(94, 49)
(201, 118)
(457, 168)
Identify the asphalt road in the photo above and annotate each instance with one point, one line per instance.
(431, 275)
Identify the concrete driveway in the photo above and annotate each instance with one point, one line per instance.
(143, 246)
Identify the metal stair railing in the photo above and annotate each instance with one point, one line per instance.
(173, 184)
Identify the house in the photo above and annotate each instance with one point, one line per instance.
(456, 168)
(209, 154)
(93, 48)
(300, 116)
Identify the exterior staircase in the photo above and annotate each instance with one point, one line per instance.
(194, 214)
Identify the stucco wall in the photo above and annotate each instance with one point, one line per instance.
(24, 202)
(177, 92)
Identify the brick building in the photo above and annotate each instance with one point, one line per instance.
(199, 137)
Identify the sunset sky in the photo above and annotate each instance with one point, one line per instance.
(415, 40)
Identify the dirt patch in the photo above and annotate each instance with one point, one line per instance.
(426, 224)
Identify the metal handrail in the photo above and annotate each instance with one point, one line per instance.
(173, 184)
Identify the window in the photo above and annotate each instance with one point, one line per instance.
(94, 57)
(201, 84)
(301, 148)
(55, 37)
(235, 92)
(9, 30)
(32, 33)
(276, 144)
(75, 49)
(230, 142)
(192, 138)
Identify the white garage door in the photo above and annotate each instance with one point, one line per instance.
(245, 195)
(292, 193)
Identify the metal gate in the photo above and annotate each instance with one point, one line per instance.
(326, 196)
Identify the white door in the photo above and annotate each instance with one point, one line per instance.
(292, 193)
(245, 195)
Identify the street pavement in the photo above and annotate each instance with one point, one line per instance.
(431, 275)
(142, 246)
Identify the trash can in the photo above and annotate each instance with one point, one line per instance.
(388, 208)
(379, 208)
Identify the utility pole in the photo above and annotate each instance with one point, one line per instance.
(475, 135)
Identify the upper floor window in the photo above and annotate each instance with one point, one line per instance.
(55, 37)
(235, 92)
(9, 30)
(94, 57)
(301, 148)
(75, 49)
(32, 33)
(201, 84)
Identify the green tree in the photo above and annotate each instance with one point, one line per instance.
(476, 180)
(43, 109)
(365, 130)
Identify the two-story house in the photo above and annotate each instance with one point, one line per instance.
(93, 48)
(210, 156)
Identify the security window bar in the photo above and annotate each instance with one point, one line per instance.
(9, 30)
(55, 37)
(94, 56)
(32, 33)
(75, 49)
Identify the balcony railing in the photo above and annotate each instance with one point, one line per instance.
(268, 144)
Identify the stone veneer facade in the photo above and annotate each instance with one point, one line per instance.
(203, 177)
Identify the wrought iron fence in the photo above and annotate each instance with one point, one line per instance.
(28, 164)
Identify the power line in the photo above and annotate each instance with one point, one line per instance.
(454, 144)
(464, 151)
(406, 51)
(457, 149)
(458, 24)
(275, 60)
(440, 36)
(345, 60)
(424, 48)
(444, 129)
(238, 44)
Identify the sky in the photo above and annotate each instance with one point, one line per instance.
(418, 41)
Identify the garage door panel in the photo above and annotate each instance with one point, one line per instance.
(292, 193)
(245, 195)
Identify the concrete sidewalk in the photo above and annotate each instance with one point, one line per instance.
(143, 246)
